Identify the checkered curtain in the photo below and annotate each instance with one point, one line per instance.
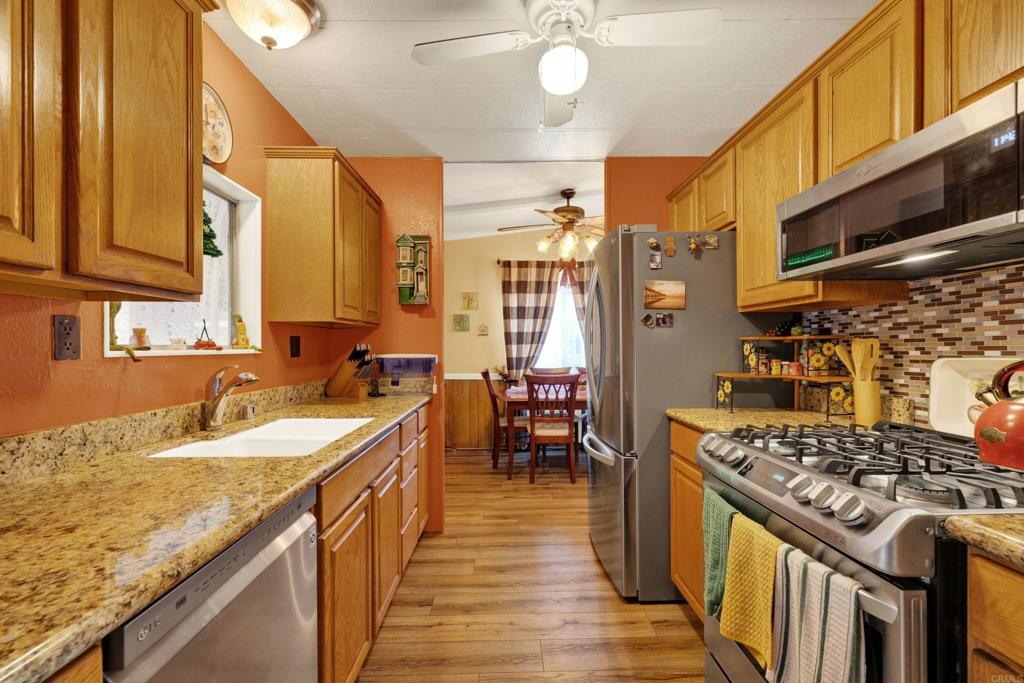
(528, 299)
(579, 279)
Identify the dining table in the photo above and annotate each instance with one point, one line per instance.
(515, 398)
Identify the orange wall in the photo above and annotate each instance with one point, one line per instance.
(635, 188)
(411, 189)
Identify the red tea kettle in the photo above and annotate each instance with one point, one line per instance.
(999, 424)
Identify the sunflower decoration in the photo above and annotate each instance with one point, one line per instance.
(751, 360)
(848, 405)
(748, 348)
(721, 396)
(727, 387)
(838, 393)
(829, 349)
(818, 361)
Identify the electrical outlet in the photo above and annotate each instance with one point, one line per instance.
(67, 338)
(294, 346)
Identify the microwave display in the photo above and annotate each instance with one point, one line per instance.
(973, 179)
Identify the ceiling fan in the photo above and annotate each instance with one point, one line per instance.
(563, 67)
(573, 227)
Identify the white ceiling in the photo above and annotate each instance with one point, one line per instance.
(354, 85)
(481, 197)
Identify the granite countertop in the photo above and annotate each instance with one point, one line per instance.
(1001, 536)
(84, 549)
(720, 420)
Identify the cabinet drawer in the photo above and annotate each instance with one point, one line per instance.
(410, 536)
(408, 460)
(684, 441)
(410, 495)
(409, 430)
(421, 418)
(339, 490)
(995, 599)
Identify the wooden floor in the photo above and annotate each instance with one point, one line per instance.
(513, 592)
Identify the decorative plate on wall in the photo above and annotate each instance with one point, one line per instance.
(217, 137)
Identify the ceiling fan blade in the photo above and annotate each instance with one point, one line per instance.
(524, 227)
(678, 27)
(453, 49)
(553, 216)
(558, 109)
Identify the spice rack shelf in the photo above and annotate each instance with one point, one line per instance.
(751, 348)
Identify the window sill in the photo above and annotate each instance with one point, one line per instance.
(107, 353)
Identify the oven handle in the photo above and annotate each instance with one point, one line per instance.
(876, 607)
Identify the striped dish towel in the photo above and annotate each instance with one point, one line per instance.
(818, 623)
(717, 519)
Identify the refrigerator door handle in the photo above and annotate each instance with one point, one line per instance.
(598, 451)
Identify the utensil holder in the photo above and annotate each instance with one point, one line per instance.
(867, 402)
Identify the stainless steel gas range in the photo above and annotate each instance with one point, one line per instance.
(871, 503)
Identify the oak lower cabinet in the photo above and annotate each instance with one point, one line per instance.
(867, 91)
(345, 557)
(686, 505)
(423, 465)
(995, 633)
(386, 500)
(88, 668)
(101, 192)
(971, 48)
(323, 240)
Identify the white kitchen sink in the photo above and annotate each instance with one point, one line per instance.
(287, 438)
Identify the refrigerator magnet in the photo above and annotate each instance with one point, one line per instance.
(648, 321)
(693, 245)
(653, 244)
(711, 241)
(665, 294)
(670, 246)
(665, 320)
(655, 260)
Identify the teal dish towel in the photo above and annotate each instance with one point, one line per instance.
(717, 522)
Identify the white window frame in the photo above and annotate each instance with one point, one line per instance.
(249, 264)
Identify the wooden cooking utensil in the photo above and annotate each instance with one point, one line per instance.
(861, 350)
(844, 355)
(872, 359)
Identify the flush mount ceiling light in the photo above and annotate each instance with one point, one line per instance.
(563, 67)
(275, 24)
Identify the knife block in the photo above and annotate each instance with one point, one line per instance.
(867, 402)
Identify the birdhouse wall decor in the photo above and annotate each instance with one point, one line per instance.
(413, 269)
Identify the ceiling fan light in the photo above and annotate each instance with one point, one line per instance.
(543, 245)
(591, 242)
(567, 246)
(275, 24)
(563, 69)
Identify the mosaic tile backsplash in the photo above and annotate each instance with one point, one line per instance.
(977, 314)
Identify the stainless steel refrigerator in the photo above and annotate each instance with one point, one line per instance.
(647, 351)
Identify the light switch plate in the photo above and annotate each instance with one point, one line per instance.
(67, 338)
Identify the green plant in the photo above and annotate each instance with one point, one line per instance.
(210, 247)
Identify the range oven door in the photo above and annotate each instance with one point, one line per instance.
(895, 616)
(611, 483)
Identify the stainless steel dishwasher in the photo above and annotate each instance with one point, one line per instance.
(247, 615)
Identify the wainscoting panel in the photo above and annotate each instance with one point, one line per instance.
(467, 415)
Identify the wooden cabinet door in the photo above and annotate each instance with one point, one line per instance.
(984, 40)
(717, 189)
(423, 468)
(371, 259)
(135, 157)
(687, 538)
(995, 601)
(684, 214)
(774, 161)
(30, 132)
(984, 668)
(348, 247)
(867, 92)
(346, 593)
(387, 541)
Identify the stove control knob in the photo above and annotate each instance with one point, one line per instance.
(823, 495)
(800, 487)
(851, 510)
(727, 452)
(734, 456)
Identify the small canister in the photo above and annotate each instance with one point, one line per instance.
(776, 366)
(763, 364)
(795, 368)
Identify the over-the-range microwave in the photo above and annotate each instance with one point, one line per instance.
(946, 200)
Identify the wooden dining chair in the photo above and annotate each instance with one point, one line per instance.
(552, 402)
(521, 424)
(550, 371)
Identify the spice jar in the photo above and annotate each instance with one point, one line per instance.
(776, 366)
(795, 368)
(763, 364)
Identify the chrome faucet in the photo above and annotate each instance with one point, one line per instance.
(217, 392)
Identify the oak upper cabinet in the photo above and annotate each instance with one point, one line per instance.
(387, 540)
(101, 189)
(971, 48)
(774, 161)
(323, 240)
(683, 214)
(346, 593)
(686, 512)
(717, 193)
(867, 90)
(995, 634)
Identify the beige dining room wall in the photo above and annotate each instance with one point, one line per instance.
(470, 265)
